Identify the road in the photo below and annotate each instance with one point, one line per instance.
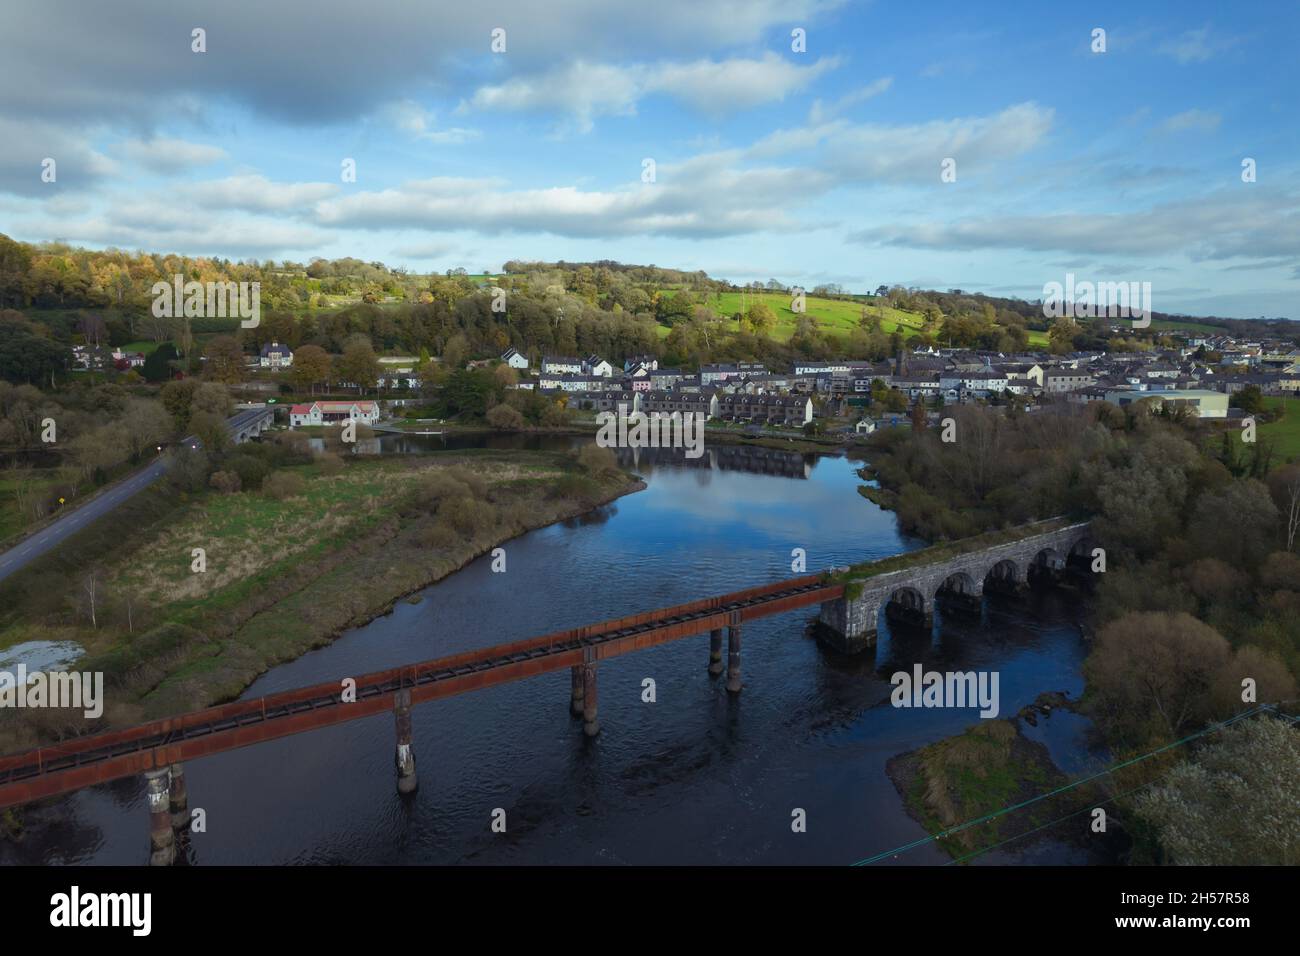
(73, 520)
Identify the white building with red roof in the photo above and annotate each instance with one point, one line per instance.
(333, 413)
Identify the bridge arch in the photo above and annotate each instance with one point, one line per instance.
(907, 605)
(1080, 556)
(959, 582)
(1005, 575)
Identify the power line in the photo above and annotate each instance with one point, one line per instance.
(1062, 789)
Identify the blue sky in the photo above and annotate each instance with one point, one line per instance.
(820, 166)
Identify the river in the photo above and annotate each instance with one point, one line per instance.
(696, 777)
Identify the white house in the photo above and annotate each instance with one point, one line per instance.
(595, 365)
(333, 413)
(561, 365)
(515, 359)
(275, 355)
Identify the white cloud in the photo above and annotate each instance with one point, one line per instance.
(821, 112)
(1226, 225)
(585, 90)
(1200, 121)
(412, 118)
(876, 152)
(258, 194)
(168, 155)
(1197, 46)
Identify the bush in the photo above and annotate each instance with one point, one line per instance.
(329, 463)
(467, 516)
(438, 536)
(294, 447)
(226, 482)
(505, 418)
(578, 488)
(250, 469)
(280, 485)
(597, 462)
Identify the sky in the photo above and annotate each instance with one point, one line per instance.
(989, 147)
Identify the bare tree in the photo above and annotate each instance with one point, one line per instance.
(89, 585)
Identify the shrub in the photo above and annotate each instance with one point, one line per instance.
(226, 482)
(280, 485)
(250, 469)
(329, 463)
(597, 462)
(505, 418)
(467, 516)
(578, 488)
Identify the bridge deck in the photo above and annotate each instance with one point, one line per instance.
(83, 761)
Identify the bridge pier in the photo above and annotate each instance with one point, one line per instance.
(715, 652)
(575, 690)
(407, 782)
(162, 843)
(733, 654)
(179, 798)
(590, 717)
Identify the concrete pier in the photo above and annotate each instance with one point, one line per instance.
(575, 690)
(590, 715)
(406, 778)
(179, 799)
(733, 655)
(715, 652)
(162, 843)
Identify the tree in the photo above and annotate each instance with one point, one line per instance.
(760, 319)
(176, 398)
(144, 424)
(157, 364)
(225, 360)
(359, 365)
(505, 418)
(1249, 399)
(211, 431)
(15, 263)
(1233, 803)
(211, 397)
(311, 367)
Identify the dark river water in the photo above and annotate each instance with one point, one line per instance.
(696, 777)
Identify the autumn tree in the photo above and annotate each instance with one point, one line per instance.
(311, 367)
(225, 360)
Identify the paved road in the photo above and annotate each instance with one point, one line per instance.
(73, 520)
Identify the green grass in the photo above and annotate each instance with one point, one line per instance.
(1284, 433)
(141, 346)
(951, 549)
(836, 317)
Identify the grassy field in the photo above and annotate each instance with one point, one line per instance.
(281, 576)
(1284, 433)
(837, 317)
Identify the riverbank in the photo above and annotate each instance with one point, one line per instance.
(283, 576)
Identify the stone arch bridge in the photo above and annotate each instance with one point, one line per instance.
(909, 584)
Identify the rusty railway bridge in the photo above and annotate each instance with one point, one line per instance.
(159, 748)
